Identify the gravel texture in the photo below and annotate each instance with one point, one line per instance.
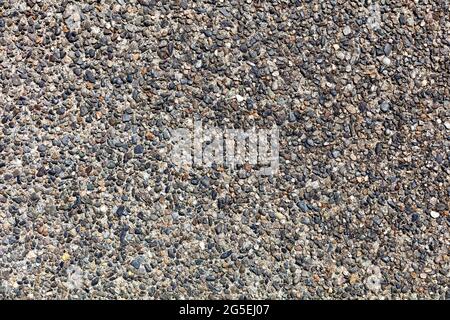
(91, 206)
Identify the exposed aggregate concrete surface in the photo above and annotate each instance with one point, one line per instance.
(93, 207)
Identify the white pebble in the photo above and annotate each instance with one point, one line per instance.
(434, 214)
(239, 98)
(347, 31)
